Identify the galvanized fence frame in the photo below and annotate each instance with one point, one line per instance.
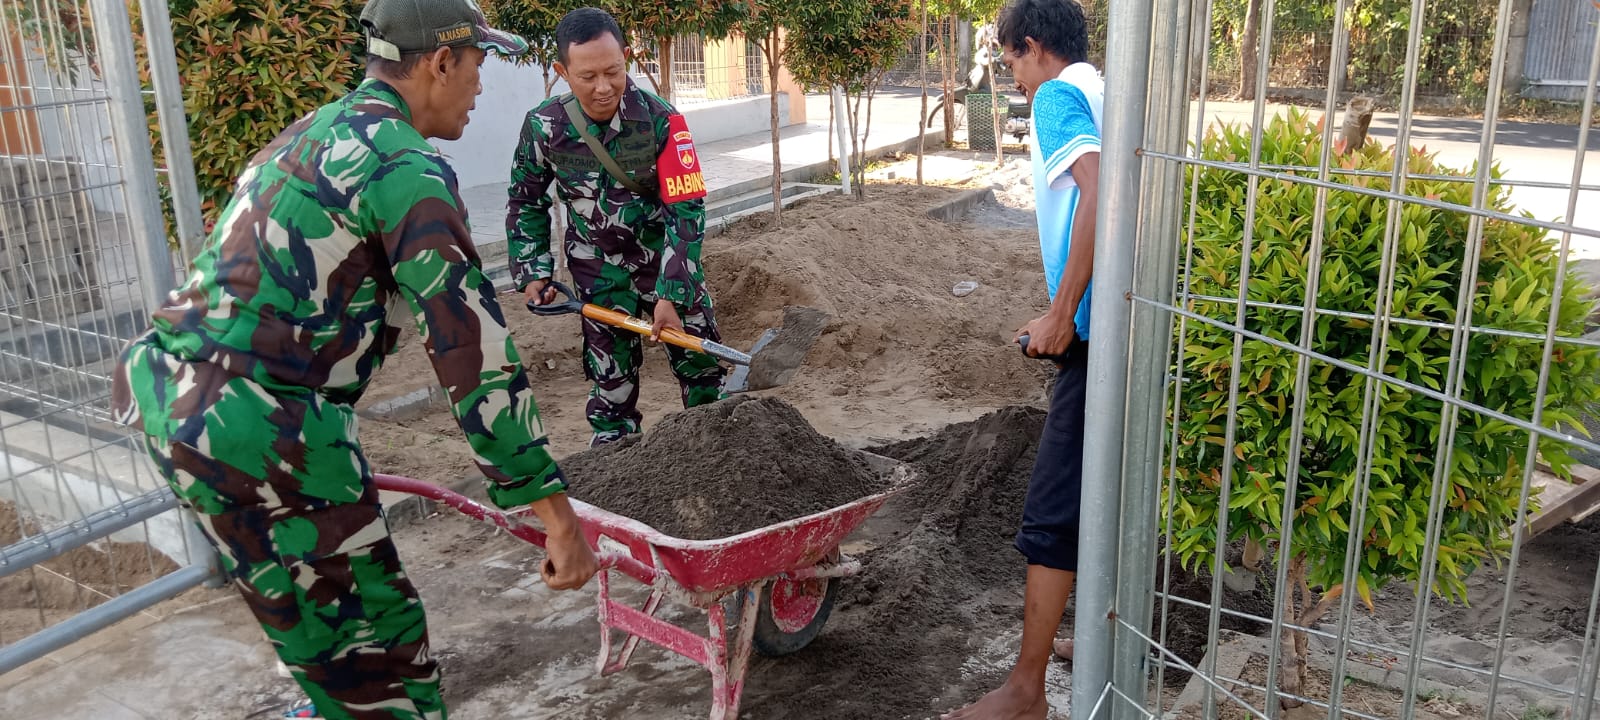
(1143, 300)
(61, 442)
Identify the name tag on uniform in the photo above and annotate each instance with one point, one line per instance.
(678, 168)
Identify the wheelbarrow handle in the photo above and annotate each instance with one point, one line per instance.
(466, 506)
(628, 322)
(463, 504)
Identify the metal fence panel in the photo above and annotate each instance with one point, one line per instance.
(1560, 37)
(1301, 449)
(85, 522)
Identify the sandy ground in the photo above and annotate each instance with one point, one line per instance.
(902, 358)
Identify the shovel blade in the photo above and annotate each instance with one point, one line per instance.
(780, 351)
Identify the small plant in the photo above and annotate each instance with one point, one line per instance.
(58, 30)
(250, 68)
(1540, 712)
(850, 44)
(1483, 475)
(534, 20)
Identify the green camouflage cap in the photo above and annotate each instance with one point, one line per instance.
(398, 27)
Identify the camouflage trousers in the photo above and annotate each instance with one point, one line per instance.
(612, 357)
(284, 494)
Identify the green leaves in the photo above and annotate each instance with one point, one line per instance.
(249, 69)
(848, 42)
(534, 20)
(1481, 484)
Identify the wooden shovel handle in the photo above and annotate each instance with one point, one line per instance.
(629, 322)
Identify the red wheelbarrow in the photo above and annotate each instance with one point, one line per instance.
(785, 576)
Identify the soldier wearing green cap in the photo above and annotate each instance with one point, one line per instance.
(246, 383)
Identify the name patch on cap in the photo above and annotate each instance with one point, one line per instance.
(454, 35)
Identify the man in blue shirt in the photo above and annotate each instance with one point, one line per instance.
(1045, 44)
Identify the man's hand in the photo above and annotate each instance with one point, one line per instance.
(540, 292)
(665, 316)
(568, 562)
(1048, 334)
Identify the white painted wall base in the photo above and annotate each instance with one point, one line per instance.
(483, 154)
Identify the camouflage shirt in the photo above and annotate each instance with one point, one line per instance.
(345, 213)
(606, 222)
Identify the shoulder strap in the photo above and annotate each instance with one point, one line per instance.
(581, 122)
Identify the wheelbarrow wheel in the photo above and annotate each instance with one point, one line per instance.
(792, 614)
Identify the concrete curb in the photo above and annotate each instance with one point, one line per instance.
(957, 207)
(715, 227)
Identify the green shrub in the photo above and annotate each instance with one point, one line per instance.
(250, 68)
(1514, 292)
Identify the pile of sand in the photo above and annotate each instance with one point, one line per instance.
(884, 270)
(930, 597)
(720, 470)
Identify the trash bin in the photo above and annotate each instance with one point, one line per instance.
(980, 121)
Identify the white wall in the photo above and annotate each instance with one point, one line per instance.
(483, 155)
(80, 132)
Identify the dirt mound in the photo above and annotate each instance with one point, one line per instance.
(884, 270)
(721, 469)
(931, 596)
(897, 346)
(78, 579)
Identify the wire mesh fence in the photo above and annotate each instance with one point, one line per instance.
(707, 71)
(1356, 373)
(1453, 60)
(81, 509)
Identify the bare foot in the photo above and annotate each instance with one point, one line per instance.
(1063, 649)
(1006, 702)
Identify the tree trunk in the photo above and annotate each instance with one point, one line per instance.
(858, 164)
(1248, 52)
(947, 56)
(664, 58)
(771, 49)
(1254, 553)
(922, 132)
(1292, 668)
(549, 82)
(1357, 118)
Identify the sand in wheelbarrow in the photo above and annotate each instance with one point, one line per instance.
(721, 469)
(931, 595)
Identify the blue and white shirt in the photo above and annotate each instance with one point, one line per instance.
(1066, 126)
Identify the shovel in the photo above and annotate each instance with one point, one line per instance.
(772, 362)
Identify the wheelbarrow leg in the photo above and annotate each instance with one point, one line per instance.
(605, 665)
(602, 606)
(728, 665)
(632, 643)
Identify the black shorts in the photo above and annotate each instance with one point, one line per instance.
(1049, 534)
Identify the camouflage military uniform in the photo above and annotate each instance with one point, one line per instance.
(624, 250)
(245, 385)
